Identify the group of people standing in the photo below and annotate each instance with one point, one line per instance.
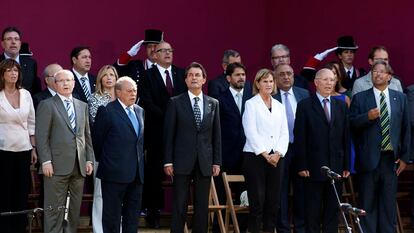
(272, 130)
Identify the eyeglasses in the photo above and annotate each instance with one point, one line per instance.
(280, 57)
(379, 72)
(8, 39)
(165, 50)
(282, 74)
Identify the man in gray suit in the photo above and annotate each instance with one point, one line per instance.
(381, 129)
(192, 139)
(290, 96)
(65, 152)
(378, 53)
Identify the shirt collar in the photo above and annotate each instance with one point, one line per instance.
(290, 91)
(51, 91)
(191, 95)
(78, 75)
(124, 106)
(17, 59)
(63, 98)
(321, 98)
(162, 69)
(378, 92)
(234, 91)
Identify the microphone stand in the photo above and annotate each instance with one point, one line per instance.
(348, 229)
(31, 213)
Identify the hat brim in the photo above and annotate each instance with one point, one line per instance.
(151, 42)
(348, 48)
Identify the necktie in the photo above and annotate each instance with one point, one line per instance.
(71, 114)
(349, 74)
(133, 120)
(197, 112)
(326, 110)
(385, 124)
(290, 116)
(168, 83)
(85, 88)
(239, 101)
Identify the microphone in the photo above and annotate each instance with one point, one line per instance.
(346, 207)
(331, 174)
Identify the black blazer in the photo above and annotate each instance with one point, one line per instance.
(154, 99)
(134, 69)
(218, 85)
(118, 149)
(410, 101)
(78, 91)
(45, 94)
(30, 80)
(320, 143)
(232, 133)
(367, 134)
(184, 145)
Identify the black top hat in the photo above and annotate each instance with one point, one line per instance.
(153, 36)
(347, 43)
(25, 49)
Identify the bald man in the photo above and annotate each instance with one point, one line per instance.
(50, 91)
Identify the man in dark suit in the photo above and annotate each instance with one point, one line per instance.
(192, 151)
(220, 84)
(280, 54)
(159, 84)
(11, 43)
(321, 138)
(290, 96)
(81, 60)
(136, 68)
(118, 138)
(381, 129)
(65, 152)
(232, 103)
(50, 91)
(410, 100)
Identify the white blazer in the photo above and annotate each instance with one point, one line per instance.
(265, 130)
(16, 125)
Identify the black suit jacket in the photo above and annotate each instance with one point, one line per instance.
(118, 148)
(218, 85)
(45, 94)
(154, 99)
(232, 133)
(134, 69)
(367, 133)
(319, 142)
(301, 82)
(348, 82)
(410, 100)
(184, 145)
(30, 80)
(78, 91)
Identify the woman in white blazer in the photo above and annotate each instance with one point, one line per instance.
(267, 139)
(17, 127)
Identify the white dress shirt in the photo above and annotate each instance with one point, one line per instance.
(377, 94)
(79, 76)
(163, 75)
(200, 102)
(265, 130)
(321, 98)
(291, 98)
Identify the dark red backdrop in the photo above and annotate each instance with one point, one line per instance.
(202, 30)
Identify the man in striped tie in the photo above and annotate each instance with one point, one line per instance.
(381, 129)
(81, 60)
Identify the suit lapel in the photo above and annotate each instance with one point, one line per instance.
(62, 110)
(317, 106)
(231, 102)
(160, 81)
(79, 114)
(206, 110)
(140, 121)
(124, 116)
(393, 107)
(187, 107)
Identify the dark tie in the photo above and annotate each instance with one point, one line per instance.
(133, 120)
(385, 124)
(326, 110)
(85, 88)
(71, 114)
(290, 116)
(197, 112)
(168, 83)
(349, 74)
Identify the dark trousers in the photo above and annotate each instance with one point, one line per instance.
(378, 193)
(120, 199)
(201, 197)
(321, 207)
(290, 176)
(263, 182)
(153, 194)
(15, 174)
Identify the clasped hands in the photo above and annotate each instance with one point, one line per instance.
(273, 158)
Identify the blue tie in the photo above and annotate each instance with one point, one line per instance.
(71, 114)
(290, 116)
(133, 120)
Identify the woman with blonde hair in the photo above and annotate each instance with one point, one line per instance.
(267, 140)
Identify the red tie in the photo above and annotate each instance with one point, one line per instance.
(168, 83)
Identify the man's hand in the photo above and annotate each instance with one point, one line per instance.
(33, 156)
(345, 174)
(47, 170)
(401, 166)
(216, 170)
(133, 51)
(89, 169)
(373, 114)
(169, 170)
(304, 173)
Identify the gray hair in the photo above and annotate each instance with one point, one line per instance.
(229, 53)
(279, 47)
(119, 83)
